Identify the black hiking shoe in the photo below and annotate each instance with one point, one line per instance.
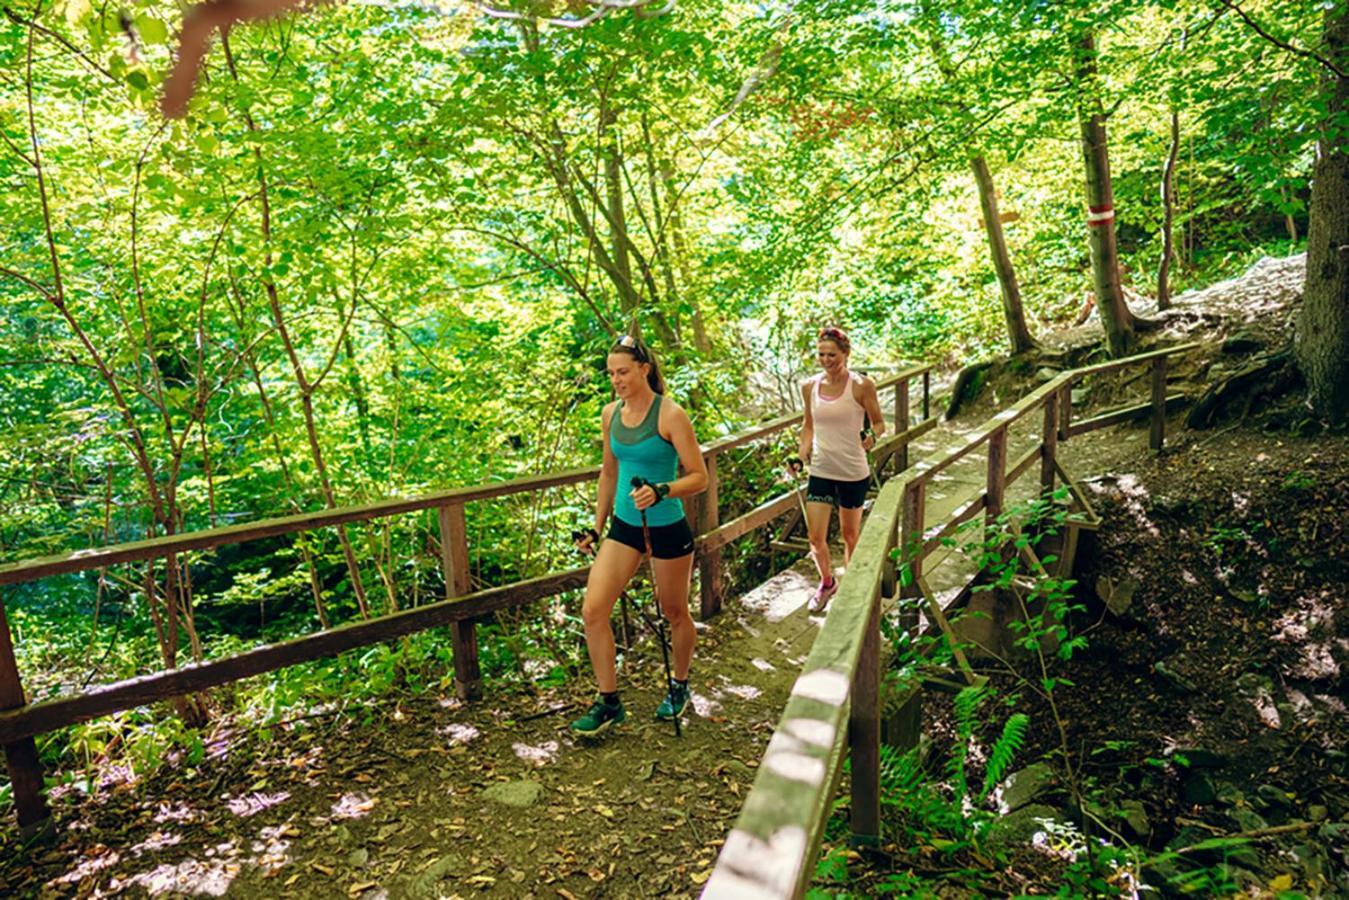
(599, 718)
(675, 700)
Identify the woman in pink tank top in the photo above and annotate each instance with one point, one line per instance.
(834, 445)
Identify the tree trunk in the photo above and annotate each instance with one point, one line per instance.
(1168, 215)
(305, 386)
(1289, 223)
(613, 184)
(1321, 340)
(358, 396)
(1017, 332)
(1115, 315)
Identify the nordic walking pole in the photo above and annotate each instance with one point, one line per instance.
(579, 535)
(638, 482)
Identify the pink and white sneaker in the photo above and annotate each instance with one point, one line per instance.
(822, 595)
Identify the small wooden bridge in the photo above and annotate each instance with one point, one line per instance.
(21, 721)
(833, 711)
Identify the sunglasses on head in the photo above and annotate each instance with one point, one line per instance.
(631, 343)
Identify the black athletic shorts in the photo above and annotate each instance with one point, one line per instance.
(667, 541)
(843, 494)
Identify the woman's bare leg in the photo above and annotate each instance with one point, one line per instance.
(850, 524)
(614, 565)
(672, 588)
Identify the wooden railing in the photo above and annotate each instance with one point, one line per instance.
(20, 721)
(834, 706)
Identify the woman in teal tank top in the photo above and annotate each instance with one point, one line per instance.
(646, 436)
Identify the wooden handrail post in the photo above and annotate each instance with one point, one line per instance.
(25, 769)
(1158, 433)
(889, 569)
(1049, 446)
(902, 420)
(864, 734)
(709, 563)
(911, 542)
(997, 475)
(927, 393)
(463, 635)
(1065, 410)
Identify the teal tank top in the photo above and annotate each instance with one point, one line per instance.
(642, 451)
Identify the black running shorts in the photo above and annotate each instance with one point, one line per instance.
(843, 494)
(667, 541)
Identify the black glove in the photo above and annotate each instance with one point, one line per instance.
(590, 534)
(661, 490)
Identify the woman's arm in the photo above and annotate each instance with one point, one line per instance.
(807, 426)
(676, 428)
(871, 403)
(608, 484)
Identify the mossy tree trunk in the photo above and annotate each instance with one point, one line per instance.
(1115, 315)
(1017, 332)
(1321, 343)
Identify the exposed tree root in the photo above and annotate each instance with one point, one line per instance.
(1266, 378)
(969, 382)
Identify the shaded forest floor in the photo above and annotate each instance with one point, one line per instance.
(1212, 704)
(428, 797)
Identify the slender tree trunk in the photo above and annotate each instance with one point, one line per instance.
(302, 382)
(1321, 340)
(1289, 223)
(613, 188)
(1010, 289)
(1168, 215)
(1115, 315)
(357, 388)
(679, 252)
(1017, 332)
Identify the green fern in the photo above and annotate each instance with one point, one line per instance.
(967, 705)
(1000, 757)
(902, 778)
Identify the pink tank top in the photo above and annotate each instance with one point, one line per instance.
(837, 449)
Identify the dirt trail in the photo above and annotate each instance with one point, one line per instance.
(426, 797)
(433, 798)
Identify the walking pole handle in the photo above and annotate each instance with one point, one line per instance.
(580, 535)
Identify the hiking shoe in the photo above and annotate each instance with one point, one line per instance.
(599, 718)
(822, 595)
(676, 698)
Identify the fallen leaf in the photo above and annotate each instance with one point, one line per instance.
(700, 877)
(604, 811)
(1283, 882)
(361, 887)
(566, 894)
(326, 870)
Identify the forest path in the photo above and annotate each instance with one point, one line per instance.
(430, 797)
(422, 796)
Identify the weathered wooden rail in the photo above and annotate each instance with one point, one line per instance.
(21, 721)
(834, 709)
